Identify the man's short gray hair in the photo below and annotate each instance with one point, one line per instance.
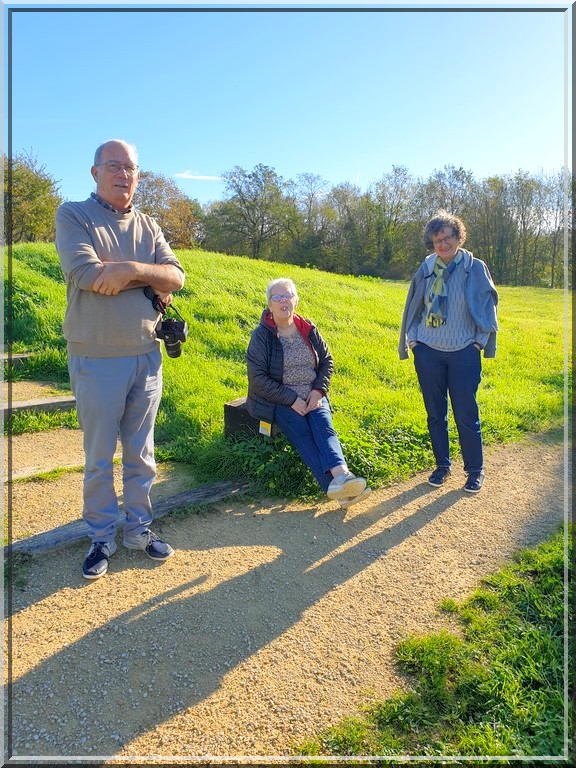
(280, 281)
(132, 149)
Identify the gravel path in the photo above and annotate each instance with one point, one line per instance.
(271, 621)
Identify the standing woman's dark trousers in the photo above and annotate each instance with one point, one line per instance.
(458, 374)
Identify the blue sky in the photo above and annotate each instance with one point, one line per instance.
(345, 95)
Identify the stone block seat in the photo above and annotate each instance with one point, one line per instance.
(238, 420)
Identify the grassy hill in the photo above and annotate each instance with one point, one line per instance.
(378, 409)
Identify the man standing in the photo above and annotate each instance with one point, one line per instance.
(109, 252)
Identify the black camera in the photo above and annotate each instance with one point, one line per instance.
(173, 332)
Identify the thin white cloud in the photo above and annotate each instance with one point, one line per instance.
(196, 177)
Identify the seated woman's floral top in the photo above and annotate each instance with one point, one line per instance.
(299, 370)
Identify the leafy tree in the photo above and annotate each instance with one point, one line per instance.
(450, 188)
(515, 223)
(493, 233)
(292, 240)
(355, 239)
(222, 231)
(310, 192)
(179, 216)
(524, 190)
(558, 186)
(393, 195)
(255, 207)
(302, 225)
(31, 198)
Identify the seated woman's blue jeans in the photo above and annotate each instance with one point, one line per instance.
(314, 438)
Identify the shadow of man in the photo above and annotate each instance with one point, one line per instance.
(253, 575)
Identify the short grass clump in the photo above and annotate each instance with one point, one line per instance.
(271, 465)
(378, 409)
(493, 688)
(41, 365)
(16, 568)
(22, 422)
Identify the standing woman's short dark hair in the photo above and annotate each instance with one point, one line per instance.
(441, 220)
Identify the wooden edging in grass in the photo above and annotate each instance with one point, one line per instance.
(16, 359)
(62, 403)
(78, 530)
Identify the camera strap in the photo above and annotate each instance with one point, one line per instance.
(159, 305)
(157, 302)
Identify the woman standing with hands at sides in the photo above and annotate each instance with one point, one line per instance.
(289, 371)
(449, 318)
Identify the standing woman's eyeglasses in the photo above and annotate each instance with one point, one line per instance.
(445, 240)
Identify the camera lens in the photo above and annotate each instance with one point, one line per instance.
(173, 347)
(173, 332)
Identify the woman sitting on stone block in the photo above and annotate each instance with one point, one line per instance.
(289, 371)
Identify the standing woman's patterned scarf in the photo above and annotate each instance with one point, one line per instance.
(436, 300)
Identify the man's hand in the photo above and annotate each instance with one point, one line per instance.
(114, 277)
(313, 400)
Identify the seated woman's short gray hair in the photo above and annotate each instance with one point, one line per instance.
(273, 285)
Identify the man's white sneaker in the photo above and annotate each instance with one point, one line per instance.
(345, 486)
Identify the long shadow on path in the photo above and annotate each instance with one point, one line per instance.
(139, 668)
(239, 580)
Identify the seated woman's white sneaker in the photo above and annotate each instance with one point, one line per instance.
(345, 503)
(345, 486)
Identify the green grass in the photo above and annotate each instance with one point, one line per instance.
(16, 568)
(49, 475)
(378, 410)
(38, 298)
(22, 422)
(493, 687)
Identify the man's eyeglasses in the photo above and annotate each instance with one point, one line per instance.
(114, 167)
(282, 297)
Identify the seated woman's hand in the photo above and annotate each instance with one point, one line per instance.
(313, 400)
(299, 406)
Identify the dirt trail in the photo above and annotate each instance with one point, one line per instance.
(271, 621)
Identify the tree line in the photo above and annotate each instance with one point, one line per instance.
(515, 222)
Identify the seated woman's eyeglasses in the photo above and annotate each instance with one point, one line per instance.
(282, 297)
(114, 167)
